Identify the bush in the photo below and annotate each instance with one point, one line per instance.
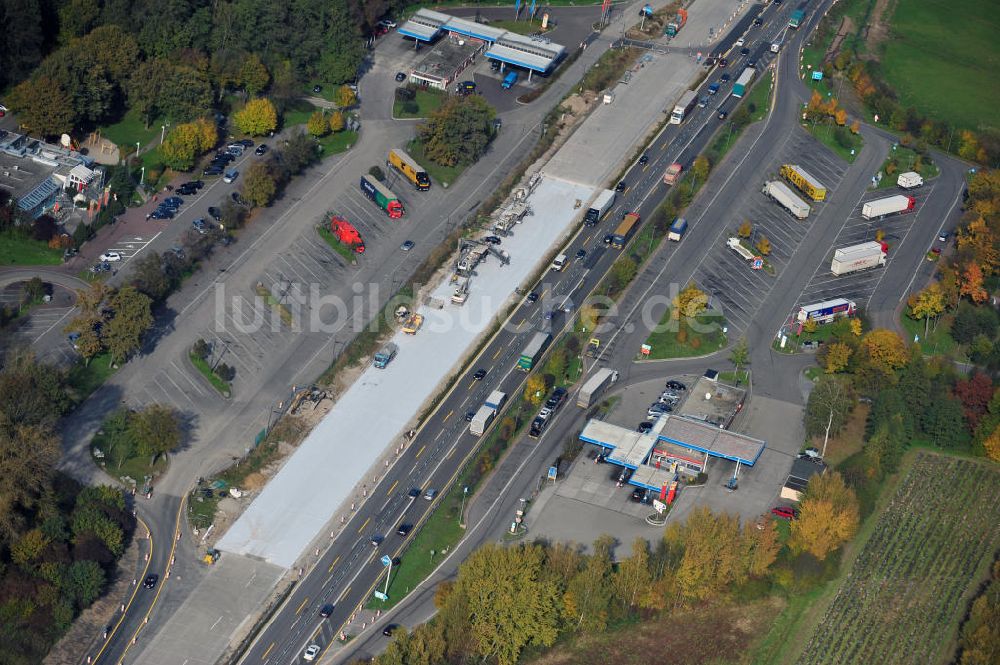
(377, 173)
(225, 372)
(200, 349)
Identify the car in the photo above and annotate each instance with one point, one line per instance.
(466, 87)
(161, 214)
(430, 494)
(326, 611)
(376, 539)
(193, 184)
(404, 529)
(643, 159)
(407, 246)
(532, 297)
(223, 156)
(740, 41)
(723, 63)
(608, 238)
(724, 78)
(235, 149)
(752, 64)
(621, 187)
(581, 254)
(479, 375)
(235, 196)
(215, 213)
(400, 77)
(317, 89)
(758, 21)
(200, 226)
(311, 652)
(151, 580)
(231, 176)
(556, 399)
(703, 102)
(389, 630)
(174, 201)
(638, 495)
(413, 493)
(493, 240)
(669, 397)
(935, 252)
(943, 236)
(744, 51)
(261, 149)
(549, 314)
(811, 452)
(110, 256)
(544, 413)
(658, 410)
(676, 385)
(246, 143)
(469, 415)
(644, 427)
(625, 476)
(186, 190)
(785, 513)
(723, 114)
(497, 125)
(212, 170)
(389, 23)
(3, 110)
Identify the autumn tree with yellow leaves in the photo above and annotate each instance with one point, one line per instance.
(828, 516)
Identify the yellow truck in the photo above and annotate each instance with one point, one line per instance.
(413, 323)
(407, 166)
(807, 183)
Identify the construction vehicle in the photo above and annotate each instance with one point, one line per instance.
(409, 168)
(890, 205)
(807, 183)
(785, 197)
(859, 257)
(593, 347)
(385, 355)
(471, 252)
(345, 232)
(413, 323)
(211, 556)
(675, 25)
(382, 196)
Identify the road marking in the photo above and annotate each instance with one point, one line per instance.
(330, 569)
(452, 451)
(523, 321)
(264, 657)
(302, 605)
(389, 493)
(346, 591)
(453, 411)
(364, 525)
(420, 452)
(497, 354)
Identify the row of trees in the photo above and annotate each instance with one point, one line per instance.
(110, 320)
(266, 178)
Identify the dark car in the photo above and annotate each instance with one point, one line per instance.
(638, 495)
(151, 580)
(744, 51)
(404, 529)
(193, 184)
(466, 87)
(785, 512)
(644, 427)
(725, 77)
(469, 415)
(723, 114)
(556, 399)
(493, 240)
(400, 77)
(246, 143)
(174, 200)
(389, 630)
(326, 611)
(212, 170)
(758, 21)
(676, 385)
(621, 187)
(533, 297)
(261, 149)
(608, 238)
(186, 190)
(644, 159)
(200, 226)
(479, 375)
(414, 493)
(752, 64)
(581, 254)
(215, 213)
(224, 156)
(162, 214)
(723, 62)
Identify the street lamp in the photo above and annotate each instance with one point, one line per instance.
(461, 515)
(142, 174)
(163, 131)
(136, 148)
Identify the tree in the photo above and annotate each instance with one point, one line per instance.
(745, 230)
(713, 554)
(201, 349)
(254, 75)
(259, 185)
(972, 284)
(117, 439)
(458, 132)
(150, 277)
(992, 445)
(633, 577)
(980, 638)
(690, 302)
(810, 326)
(143, 89)
(29, 453)
(342, 46)
(837, 357)
(927, 304)
(587, 601)
(344, 97)
(623, 271)
(336, 121)
(740, 356)
(156, 430)
(700, 168)
(762, 544)
(828, 516)
(764, 246)
(317, 124)
(132, 318)
(885, 350)
(258, 117)
(829, 405)
(557, 364)
(185, 93)
(84, 581)
(975, 395)
(534, 389)
(186, 141)
(944, 423)
(43, 106)
(840, 117)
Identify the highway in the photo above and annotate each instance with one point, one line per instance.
(347, 573)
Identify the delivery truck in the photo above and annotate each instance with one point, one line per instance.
(826, 311)
(786, 198)
(481, 421)
(599, 207)
(737, 246)
(807, 183)
(409, 168)
(743, 82)
(683, 107)
(677, 229)
(890, 205)
(675, 25)
(382, 197)
(909, 180)
(385, 355)
(795, 20)
(594, 386)
(533, 351)
(496, 400)
(625, 230)
(858, 257)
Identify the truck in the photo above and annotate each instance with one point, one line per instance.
(673, 173)
(599, 207)
(481, 421)
(594, 386)
(533, 351)
(496, 400)
(413, 323)
(345, 232)
(909, 180)
(675, 25)
(890, 205)
(677, 229)
(683, 107)
(826, 311)
(713, 88)
(509, 80)
(858, 257)
(807, 183)
(382, 197)
(740, 87)
(735, 245)
(795, 20)
(409, 168)
(625, 230)
(786, 198)
(385, 355)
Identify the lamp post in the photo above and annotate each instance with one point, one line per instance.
(142, 175)
(137, 148)
(163, 131)
(461, 515)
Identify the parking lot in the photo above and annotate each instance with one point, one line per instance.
(737, 289)
(44, 317)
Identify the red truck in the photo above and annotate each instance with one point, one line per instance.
(347, 234)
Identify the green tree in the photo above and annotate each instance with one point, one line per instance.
(117, 440)
(187, 141)
(29, 453)
(84, 581)
(587, 601)
(740, 356)
(700, 168)
(156, 430)
(623, 271)
(254, 75)
(31, 393)
(259, 185)
(151, 277)
(830, 403)
(317, 124)
(633, 577)
(458, 132)
(344, 97)
(185, 93)
(944, 424)
(123, 333)
(43, 106)
(534, 389)
(257, 117)
(342, 46)
(557, 365)
(144, 87)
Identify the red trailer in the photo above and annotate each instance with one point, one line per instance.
(347, 234)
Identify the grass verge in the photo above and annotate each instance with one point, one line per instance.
(297, 113)
(343, 250)
(443, 175)
(280, 308)
(131, 130)
(841, 140)
(336, 143)
(902, 159)
(425, 102)
(202, 365)
(759, 100)
(682, 339)
(85, 378)
(937, 341)
(19, 250)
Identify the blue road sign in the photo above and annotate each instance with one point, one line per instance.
(386, 561)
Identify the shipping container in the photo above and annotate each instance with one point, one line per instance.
(409, 168)
(858, 257)
(780, 192)
(890, 205)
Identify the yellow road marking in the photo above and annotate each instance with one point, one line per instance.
(330, 569)
(420, 452)
(264, 657)
(453, 411)
(389, 493)
(364, 525)
(302, 605)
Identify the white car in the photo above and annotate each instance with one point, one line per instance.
(739, 42)
(311, 652)
(230, 176)
(110, 256)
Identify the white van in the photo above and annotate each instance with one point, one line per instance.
(559, 263)
(775, 47)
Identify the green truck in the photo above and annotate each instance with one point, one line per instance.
(533, 351)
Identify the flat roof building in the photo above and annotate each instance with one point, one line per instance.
(36, 173)
(712, 402)
(444, 64)
(798, 478)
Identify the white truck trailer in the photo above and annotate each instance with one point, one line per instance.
(909, 180)
(599, 207)
(594, 386)
(735, 245)
(858, 257)
(683, 107)
(890, 205)
(481, 421)
(786, 198)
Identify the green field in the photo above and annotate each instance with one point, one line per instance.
(130, 130)
(18, 250)
(440, 175)
(701, 339)
(942, 58)
(426, 100)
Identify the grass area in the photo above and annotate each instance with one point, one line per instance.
(131, 130)
(85, 378)
(735, 378)
(813, 373)
(334, 144)
(795, 340)
(609, 68)
(673, 339)
(938, 341)
(442, 175)
(841, 140)
(759, 100)
(202, 365)
(297, 113)
(425, 102)
(940, 62)
(280, 308)
(902, 159)
(19, 250)
(136, 468)
(345, 252)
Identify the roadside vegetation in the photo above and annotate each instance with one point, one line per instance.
(687, 328)
(903, 158)
(829, 123)
(219, 374)
(416, 102)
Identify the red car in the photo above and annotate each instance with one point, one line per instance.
(785, 512)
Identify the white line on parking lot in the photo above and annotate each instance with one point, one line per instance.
(944, 220)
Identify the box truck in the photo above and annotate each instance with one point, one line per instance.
(858, 257)
(599, 207)
(382, 197)
(890, 205)
(484, 416)
(677, 229)
(683, 107)
(909, 180)
(826, 311)
(625, 230)
(409, 168)
(533, 351)
(594, 386)
(735, 245)
(786, 198)
(807, 183)
(385, 355)
(740, 87)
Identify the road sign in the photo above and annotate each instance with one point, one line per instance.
(386, 560)
(758, 263)
(381, 596)
(553, 472)
(646, 348)
(817, 76)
